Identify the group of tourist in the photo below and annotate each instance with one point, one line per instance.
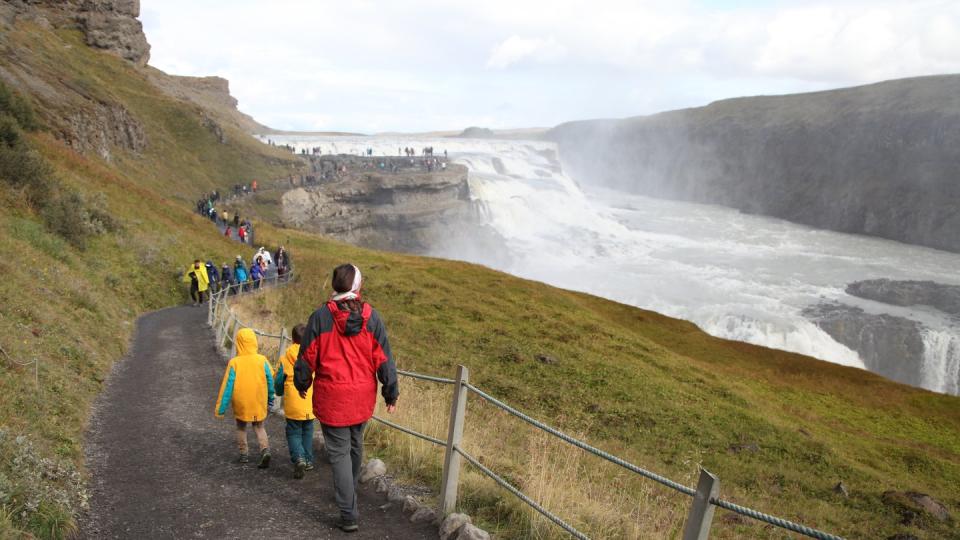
(328, 375)
(206, 279)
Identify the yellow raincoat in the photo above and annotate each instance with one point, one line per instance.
(203, 282)
(247, 382)
(294, 406)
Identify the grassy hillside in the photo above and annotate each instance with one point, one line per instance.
(779, 429)
(70, 297)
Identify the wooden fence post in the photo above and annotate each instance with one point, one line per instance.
(701, 511)
(451, 460)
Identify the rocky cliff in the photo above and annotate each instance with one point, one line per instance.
(91, 115)
(897, 347)
(111, 25)
(409, 209)
(881, 159)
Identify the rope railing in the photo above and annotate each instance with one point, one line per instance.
(409, 431)
(705, 496)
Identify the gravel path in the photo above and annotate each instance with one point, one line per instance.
(162, 466)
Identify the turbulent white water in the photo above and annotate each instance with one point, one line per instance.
(736, 276)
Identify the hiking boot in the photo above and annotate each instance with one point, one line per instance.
(309, 467)
(244, 458)
(264, 459)
(348, 525)
(299, 469)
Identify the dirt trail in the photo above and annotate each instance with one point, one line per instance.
(162, 466)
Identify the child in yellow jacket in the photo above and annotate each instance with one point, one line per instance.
(248, 386)
(298, 410)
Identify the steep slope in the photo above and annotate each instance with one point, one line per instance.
(655, 389)
(96, 232)
(879, 159)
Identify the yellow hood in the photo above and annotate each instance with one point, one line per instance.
(246, 342)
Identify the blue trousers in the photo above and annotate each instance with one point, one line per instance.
(300, 440)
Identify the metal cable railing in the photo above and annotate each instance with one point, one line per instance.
(222, 319)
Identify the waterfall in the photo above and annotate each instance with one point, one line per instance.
(941, 361)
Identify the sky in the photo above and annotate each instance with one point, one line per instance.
(424, 65)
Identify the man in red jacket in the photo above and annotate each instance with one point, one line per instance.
(344, 351)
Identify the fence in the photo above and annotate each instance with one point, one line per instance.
(706, 496)
(225, 323)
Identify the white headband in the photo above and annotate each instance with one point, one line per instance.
(354, 291)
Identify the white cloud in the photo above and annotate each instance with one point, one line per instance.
(417, 65)
(516, 49)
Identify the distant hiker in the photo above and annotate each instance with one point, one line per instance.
(298, 410)
(228, 232)
(253, 186)
(248, 386)
(282, 260)
(343, 353)
(267, 257)
(240, 274)
(236, 220)
(226, 277)
(226, 216)
(196, 275)
(213, 276)
(242, 233)
(256, 272)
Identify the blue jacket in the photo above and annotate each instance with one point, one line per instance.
(212, 272)
(240, 272)
(256, 272)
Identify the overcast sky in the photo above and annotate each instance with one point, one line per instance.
(370, 66)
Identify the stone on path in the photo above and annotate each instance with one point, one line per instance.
(451, 525)
(372, 469)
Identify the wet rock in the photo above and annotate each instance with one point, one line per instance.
(888, 345)
(372, 469)
(451, 525)
(472, 532)
(945, 298)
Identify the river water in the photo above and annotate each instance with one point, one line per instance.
(736, 276)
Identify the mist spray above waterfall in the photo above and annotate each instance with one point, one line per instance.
(737, 276)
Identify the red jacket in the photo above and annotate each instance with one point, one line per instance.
(346, 357)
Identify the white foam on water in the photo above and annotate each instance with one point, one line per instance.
(737, 276)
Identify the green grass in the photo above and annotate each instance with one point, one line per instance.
(653, 389)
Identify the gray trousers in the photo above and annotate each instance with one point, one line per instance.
(345, 448)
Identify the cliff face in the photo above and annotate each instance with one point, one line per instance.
(106, 24)
(88, 114)
(881, 160)
(408, 210)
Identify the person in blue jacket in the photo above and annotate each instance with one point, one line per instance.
(256, 272)
(214, 276)
(240, 273)
(226, 277)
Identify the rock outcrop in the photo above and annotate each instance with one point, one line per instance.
(410, 210)
(889, 345)
(106, 24)
(878, 159)
(945, 298)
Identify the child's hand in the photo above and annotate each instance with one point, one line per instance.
(391, 408)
